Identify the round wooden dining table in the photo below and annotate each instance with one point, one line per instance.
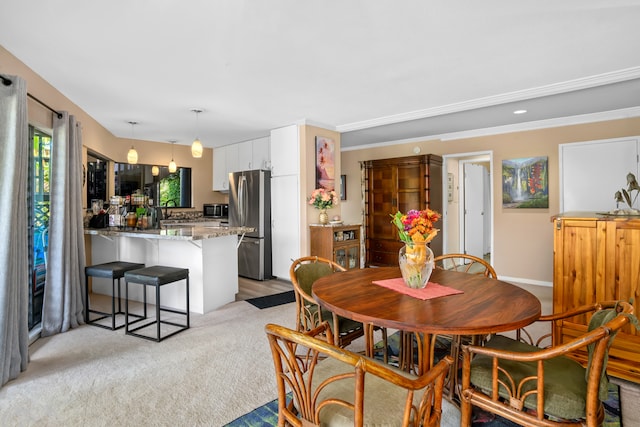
(485, 306)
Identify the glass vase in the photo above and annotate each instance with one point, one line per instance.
(416, 264)
(324, 217)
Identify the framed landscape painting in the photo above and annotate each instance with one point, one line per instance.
(525, 183)
(325, 166)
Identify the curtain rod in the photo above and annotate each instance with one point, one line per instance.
(8, 82)
(44, 105)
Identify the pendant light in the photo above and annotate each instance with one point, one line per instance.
(155, 171)
(172, 164)
(132, 155)
(196, 146)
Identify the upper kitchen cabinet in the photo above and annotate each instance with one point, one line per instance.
(225, 160)
(220, 169)
(247, 155)
(285, 159)
(261, 158)
(254, 154)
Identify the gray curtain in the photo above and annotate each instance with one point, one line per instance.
(14, 252)
(62, 307)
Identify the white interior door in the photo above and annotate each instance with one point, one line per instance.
(474, 200)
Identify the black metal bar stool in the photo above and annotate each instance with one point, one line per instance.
(156, 276)
(111, 270)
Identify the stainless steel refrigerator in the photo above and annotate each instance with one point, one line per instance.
(250, 206)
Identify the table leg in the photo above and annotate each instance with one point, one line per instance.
(369, 343)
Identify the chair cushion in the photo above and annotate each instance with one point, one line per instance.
(345, 324)
(309, 273)
(383, 401)
(156, 275)
(565, 387)
(115, 269)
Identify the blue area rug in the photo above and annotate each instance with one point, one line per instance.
(266, 415)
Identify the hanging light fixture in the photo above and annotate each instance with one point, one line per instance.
(172, 164)
(196, 146)
(155, 171)
(132, 155)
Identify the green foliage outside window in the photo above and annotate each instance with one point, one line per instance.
(170, 190)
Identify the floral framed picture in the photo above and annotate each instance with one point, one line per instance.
(325, 166)
(525, 183)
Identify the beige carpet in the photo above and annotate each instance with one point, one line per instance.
(208, 375)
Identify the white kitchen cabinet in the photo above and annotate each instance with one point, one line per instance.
(233, 164)
(285, 224)
(245, 156)
(285, 199)
(261, 158)
(220, 174)
(225, 160)
(284, 148)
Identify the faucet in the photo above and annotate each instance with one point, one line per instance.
(167, 215)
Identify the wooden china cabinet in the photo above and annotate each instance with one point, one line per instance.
(597, 258)
(398, 184)
(340, 243)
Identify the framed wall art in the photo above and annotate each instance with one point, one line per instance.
(325, 166)
(343, 187)
(525, 183)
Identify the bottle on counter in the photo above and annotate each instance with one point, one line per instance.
(114, 216)
(132, 219)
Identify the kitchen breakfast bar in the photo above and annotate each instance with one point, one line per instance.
(208, 252)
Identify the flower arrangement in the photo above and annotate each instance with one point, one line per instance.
(416, 226)
(625, 195)
(415, 259)
(323, 199)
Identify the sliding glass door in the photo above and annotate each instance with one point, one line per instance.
(39, 173)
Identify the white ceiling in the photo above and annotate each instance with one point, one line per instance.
(374, 70)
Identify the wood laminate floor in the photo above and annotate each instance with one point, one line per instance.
(256, 288)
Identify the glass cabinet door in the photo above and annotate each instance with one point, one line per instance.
(340, 256)
(352, 257)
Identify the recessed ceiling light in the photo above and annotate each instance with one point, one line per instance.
(519, 111)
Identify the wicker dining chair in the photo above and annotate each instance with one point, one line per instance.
(303, 272)
(560, 385)
(446, 343)
(466, 264)
(322, 384)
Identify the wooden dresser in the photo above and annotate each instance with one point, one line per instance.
(597, 258)
(339, 243)
(398, 184)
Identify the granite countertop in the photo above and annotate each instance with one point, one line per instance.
(174, 232)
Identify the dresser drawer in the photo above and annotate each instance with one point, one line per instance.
(383, 259)
(383, 245)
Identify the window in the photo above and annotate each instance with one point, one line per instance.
(39, 193)
(165, 189)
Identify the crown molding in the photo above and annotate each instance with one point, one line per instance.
(552, 89)
(624, 113)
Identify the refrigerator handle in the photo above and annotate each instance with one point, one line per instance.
(242, 199)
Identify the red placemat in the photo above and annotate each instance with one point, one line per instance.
(432, 290)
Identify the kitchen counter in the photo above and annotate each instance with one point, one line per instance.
(173, 231)
(208, 251)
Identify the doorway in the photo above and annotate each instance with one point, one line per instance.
(468, 204)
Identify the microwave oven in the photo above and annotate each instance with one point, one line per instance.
(215, 210)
